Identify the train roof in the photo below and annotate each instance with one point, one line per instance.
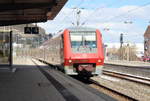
(71, 29)
(81, 29)
(74, 29)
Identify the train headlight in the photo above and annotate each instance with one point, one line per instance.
(70, 61)
(99, 61)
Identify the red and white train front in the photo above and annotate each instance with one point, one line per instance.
(83, 52)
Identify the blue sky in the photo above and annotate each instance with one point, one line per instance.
(103, 14)
(112, 3)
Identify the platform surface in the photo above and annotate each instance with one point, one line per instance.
(28, 83)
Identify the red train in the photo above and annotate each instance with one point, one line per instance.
(77, 51)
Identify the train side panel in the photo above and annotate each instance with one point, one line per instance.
(52, 51)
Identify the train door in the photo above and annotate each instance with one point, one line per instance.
(5, 49)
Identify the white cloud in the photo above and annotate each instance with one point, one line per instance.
(112, 18)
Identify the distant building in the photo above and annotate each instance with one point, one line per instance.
(134, 51)
(147, 42)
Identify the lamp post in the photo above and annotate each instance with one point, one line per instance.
(121, 40)
(121, 44)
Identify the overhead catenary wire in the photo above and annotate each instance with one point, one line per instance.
(68, 15)
(129, 11)
(91, 14)
(114, 17)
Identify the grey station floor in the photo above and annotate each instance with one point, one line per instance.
(28, 83)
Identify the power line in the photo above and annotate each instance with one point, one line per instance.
(68, 15)
(89, 16)
(129, 11)
(95, 11)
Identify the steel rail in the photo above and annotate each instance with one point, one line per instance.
(111, 90)
(130, 77)
(119, 65)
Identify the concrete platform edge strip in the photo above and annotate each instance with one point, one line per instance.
(103, 96)
(65, 93)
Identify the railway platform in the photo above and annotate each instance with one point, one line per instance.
(37, 82)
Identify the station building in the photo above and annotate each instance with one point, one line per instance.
(147, 42)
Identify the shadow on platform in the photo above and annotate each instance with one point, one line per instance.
(22, 85)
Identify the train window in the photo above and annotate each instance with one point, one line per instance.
(84, 42)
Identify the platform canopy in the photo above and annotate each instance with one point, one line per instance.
(28, 11)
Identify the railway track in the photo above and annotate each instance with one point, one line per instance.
(125, 66)
(130, 77)
(63, 89)
(113, 93)
(123, 76)
(106, 90)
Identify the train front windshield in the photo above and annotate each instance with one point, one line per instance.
(83, 42)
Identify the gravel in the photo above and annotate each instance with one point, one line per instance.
(132, 89)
